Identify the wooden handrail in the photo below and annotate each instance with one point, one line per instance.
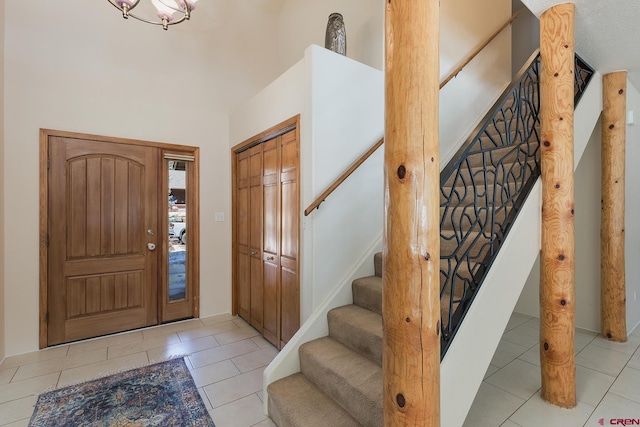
(478, 50)
(377, 145)
(342, 177)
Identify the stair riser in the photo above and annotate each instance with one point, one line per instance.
(359, 329)
(355, 384)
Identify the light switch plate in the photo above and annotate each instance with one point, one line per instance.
(219, 216)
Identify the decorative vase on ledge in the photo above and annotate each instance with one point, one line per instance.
(336, 36)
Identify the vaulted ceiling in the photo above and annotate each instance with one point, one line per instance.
(607, 33)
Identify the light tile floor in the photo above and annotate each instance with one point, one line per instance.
(607, 381)
(225, 355)
(227, 359)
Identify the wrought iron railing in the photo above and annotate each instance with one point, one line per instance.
(484, 187)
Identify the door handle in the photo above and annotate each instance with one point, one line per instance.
(253, 252)
(270, 258)
(151, 246)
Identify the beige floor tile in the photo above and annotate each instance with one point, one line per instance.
(208, 321)
(17, 410)
(227, 391)
(491, 407)
(255, 360)
(205, 399)
(244, 412)
(627, 385)
(147, 344)
(628, 347)
(506, 352)
(261, 342)
(56, 365)
(602, 359)
(532, 355)
(7, 374)
(490, 371)
(591, 386)
(583, 338)
(236, 335)
(210, 374)
(213, 329)
(241, 323)
(260, 395)
(207, 357)
(33, 357)
(21, 423)
(635, 360)
(537, 412)
(516, 320)
(33, 386)
(105, 342)
(519, 378)
(614, 407)
(509, 423)
(523, 335)
(171, 328)
(182, 349)
(102, 369)
(265, 423)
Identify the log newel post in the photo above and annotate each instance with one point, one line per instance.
(557, 278)
(612, 288)
(411, 250)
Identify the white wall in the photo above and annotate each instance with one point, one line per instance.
(304, 22)
(2, 181)
(525, 32)
(464, 26)
(587, 191)
(632, 213)
(86, 69)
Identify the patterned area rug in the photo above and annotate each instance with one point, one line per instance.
(163, 394)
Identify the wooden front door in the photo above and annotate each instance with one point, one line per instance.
(103, 230)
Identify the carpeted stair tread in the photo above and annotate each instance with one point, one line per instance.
(367, 293)
(295, 401)
(359, 329)
(377, 264)
(352, 380)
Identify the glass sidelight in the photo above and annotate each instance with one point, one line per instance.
(177, 223)
(179, 284)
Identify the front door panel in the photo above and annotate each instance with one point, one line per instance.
(102, 217)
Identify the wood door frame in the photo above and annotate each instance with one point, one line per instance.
(45, 135)
(272, 132)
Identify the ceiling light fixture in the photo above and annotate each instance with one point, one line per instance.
(166, 9)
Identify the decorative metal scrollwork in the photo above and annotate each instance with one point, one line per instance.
(484, 187)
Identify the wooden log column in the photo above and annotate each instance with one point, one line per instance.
(411, 252)
(613, 307)
(557, 279)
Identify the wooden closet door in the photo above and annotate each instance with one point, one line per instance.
(290, 208)
(255, 236)
(271, 237)
(243, 259)
(249, 235)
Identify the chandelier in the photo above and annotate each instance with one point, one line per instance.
(170, 12)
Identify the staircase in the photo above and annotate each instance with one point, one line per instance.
(482, 191)
(341, 374)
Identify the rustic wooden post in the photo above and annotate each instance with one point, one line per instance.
(557, 278)
(612, 289)
(411, 253)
